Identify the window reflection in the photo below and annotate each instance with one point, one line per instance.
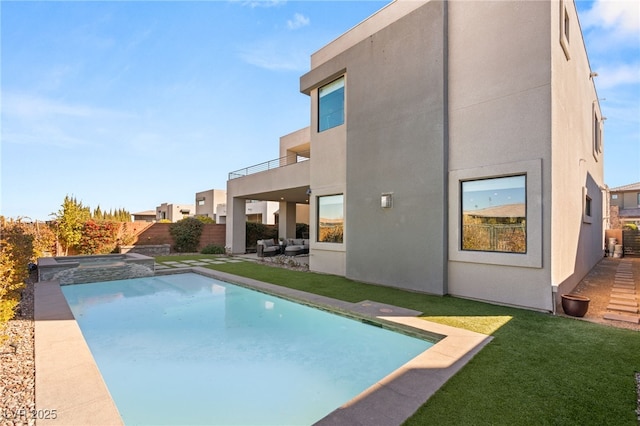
(331, 218)
(494, 214)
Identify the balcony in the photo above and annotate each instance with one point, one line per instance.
(292, 158)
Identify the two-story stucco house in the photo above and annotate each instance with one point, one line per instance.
(453, 148)
(627, 199)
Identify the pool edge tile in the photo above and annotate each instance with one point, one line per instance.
(67, 378)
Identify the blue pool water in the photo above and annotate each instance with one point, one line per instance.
(188, 349)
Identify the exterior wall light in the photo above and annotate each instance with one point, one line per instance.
(386, 200)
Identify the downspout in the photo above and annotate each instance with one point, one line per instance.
(554, 297)
(445, 143)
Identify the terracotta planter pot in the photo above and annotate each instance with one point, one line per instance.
(575, 305)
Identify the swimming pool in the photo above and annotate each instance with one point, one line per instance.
(189, 349)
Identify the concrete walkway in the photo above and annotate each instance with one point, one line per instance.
(623, 304)
(613, 286)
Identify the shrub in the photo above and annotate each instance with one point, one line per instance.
(259, 231)
(205, 219)
(302, 230)
(98, 237)
(186, 234)
(16, 250)
(213, 249)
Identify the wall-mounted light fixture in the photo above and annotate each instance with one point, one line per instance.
(386, 200)
(593, 74)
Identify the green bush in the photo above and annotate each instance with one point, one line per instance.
(205, 219)
(186, 234)
(16, 250)
(259, 231)
(213, 249)
(302, 230)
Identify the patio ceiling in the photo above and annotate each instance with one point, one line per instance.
(293, 195)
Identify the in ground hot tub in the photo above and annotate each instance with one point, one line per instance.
(95, 268)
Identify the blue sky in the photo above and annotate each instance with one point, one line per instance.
(133, 104)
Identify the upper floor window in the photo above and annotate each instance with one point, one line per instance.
(597, 132)
(494, 214)
(331, 105)
(331, 218)
(565, 29)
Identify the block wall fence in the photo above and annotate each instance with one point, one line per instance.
(158, 234)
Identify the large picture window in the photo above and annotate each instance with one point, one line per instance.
(331, 105)
(331, 218)
(494, 214)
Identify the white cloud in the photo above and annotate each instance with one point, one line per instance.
(272, 56)
(32, 120)
(262, 3)
(298, 21)
(621, 16)
(613, 76)
(31, 106)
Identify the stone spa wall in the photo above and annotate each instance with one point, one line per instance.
(88, 269)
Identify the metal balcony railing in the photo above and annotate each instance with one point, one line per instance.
(293, 158)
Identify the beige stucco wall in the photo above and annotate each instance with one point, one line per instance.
(392, 141)
(327, 177)
(396, 145)
(577, 243)
(297, 141)
(499, 112)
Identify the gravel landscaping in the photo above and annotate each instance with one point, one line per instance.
(17, 366)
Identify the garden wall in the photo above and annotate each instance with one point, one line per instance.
(158, 234)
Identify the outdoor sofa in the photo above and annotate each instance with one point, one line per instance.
(296, 246)
(268, 248)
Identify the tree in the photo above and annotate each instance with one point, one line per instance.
(70, 220)
(97, 213)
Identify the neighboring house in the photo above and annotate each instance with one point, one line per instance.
(206, 202)
(256, 211)
(627, 199)
(145, 216)
(454, 148)
(174, 212)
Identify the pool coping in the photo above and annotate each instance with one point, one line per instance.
(68, 380)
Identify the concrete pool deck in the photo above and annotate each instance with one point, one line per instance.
(69, 382)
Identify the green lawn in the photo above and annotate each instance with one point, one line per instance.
(539, 369)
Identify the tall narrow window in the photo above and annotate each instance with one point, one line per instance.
(597, 132)
(494, 214)
(331, 218)
(565, 29)
(331, 105)
(587, 206)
